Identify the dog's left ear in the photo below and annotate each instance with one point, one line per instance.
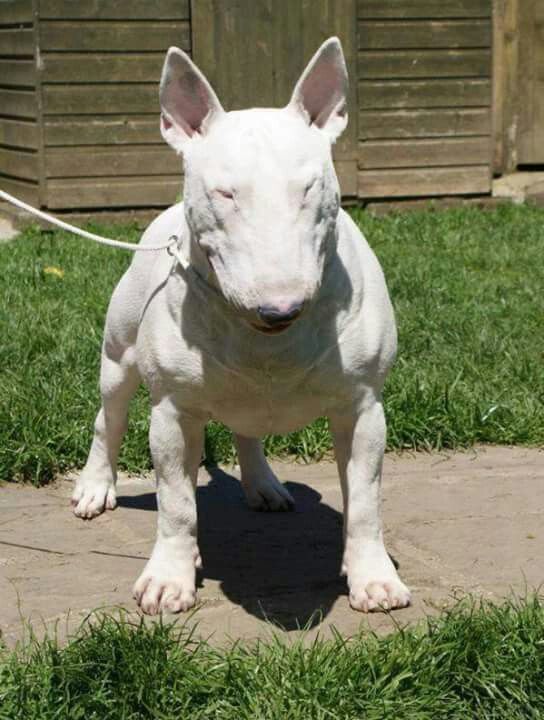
(321, 94)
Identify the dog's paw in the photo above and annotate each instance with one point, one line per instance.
(265, 493)
(379, 595)
(374, 584)
(91, 498)
(167, 583)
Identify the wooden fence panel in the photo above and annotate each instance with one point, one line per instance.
(115, 10)
(19, 128)
(424, 97)
(433, 123)
(70, 130)
(253, 52)
(414, 9)
(115, 161)
(101, 65)
(424, 34)
(15, 12)
(102, 68)
(114, 36)
(385, 65)
(423, 182)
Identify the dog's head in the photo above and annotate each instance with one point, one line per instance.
(261, 194)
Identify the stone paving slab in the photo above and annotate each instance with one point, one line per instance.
(455, 522)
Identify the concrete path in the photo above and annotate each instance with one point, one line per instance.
(454, 522)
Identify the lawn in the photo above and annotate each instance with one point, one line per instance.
(466, 285)
(475, 661)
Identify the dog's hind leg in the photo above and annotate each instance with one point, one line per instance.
(95, 488)
(262, 488)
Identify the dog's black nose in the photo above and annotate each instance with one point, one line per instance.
(273, 316)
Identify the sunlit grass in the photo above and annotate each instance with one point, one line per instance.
(474, 662)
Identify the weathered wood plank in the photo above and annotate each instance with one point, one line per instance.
(380, 154)
(346, 171)
(102, 130)
(22, 164)
(424, 34)
(506, 100)
(412, 9)
(374, 95)
(22, 189)
(100, 98)
(113, 36)
(102, 68)
(383, 124)
(18, 133)
(374, 65)
(15, 41)
(113, 192)
(421, 182)
(114, 10)
(17, 72)
(16, 11)
(528, 113)
(117, 161)
(17, 103)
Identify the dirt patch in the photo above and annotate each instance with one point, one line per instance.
(469, 522)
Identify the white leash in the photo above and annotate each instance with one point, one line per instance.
(172, 246)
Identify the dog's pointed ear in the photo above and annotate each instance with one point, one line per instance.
(188, 103)
(321, 94)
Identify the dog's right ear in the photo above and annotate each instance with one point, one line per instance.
(188, 103)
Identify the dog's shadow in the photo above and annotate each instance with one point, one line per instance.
(281, 566)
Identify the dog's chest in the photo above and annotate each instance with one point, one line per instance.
(260, 403)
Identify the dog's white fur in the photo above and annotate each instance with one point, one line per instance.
(261, 226)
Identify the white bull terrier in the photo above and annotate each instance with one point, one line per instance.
(279, 316)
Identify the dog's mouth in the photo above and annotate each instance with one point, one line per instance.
(279, 328)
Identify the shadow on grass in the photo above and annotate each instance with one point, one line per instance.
(283, 567)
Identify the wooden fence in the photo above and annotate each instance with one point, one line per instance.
(79, 86)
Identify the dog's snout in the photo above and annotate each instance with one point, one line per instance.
(273, 316)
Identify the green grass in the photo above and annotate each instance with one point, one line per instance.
(467, 289)
(475, 661)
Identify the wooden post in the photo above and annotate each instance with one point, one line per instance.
(506, 73)
(42, 187)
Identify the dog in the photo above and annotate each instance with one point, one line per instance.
(273, 311)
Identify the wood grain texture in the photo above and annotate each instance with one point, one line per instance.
(253, 53)
(388, 65)
(412, 9)
(113, 192)
(23, 189)
(424, 123)
(424, 94)
(100, 98)
(101, 67)
(87, 36)
(507, 131)
(21, 164)
(424, 182)
(16, 41)
(102, 130)
(18, 133)
(399, 35)
(114, 9)
(417, 153)
(111, 161)
(17, 103)
(21, 73)
(16, 11)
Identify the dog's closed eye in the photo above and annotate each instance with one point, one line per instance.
(227, 194)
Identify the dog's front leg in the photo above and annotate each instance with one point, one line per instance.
(359, 441)
(168, 580)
